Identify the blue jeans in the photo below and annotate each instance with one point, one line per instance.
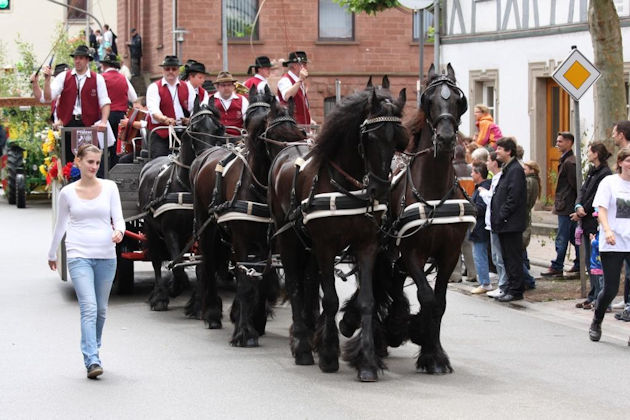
(92, 279)
(566, 234)
(480, 255)
(497, 259)
(529, 279)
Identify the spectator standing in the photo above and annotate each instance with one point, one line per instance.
(479, 236)
(494, 165)
(487, 131)
(532, 179)
(566, 193)
(135, 52)
(463, 171)
(292, 85)
(613, 202)
(86, 211)
(479, 155)
(597, 154)
(509, 216)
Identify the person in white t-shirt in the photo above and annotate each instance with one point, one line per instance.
(85, 212)
(613, 203)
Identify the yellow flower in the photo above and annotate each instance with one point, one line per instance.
(42, 169)
(47, 161)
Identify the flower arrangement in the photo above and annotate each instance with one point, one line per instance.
(52, 167)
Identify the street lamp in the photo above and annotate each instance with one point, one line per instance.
(418, 6)
(179, 37)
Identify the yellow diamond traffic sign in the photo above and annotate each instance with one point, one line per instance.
(576, 74)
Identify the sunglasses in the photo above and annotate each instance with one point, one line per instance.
(171, 68)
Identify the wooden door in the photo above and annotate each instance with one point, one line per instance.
(558, 119)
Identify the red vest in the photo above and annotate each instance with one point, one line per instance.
(201, 92)
(90, 111)
(234, 114)
(252, 81)
(166, 105)
(117, 89)
(302, 114)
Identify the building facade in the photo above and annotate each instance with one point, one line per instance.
(505, 52)
(340, 46)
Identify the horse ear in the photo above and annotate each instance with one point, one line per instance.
(267, 91)
(252, 91)
(402, 98)
(369, 84)
(291, 107)
(274, 108)
(385, 83)
(196, 106)
(450, 72)
(431, 73)
(373, 103)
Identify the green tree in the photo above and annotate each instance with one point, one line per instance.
(367, 6)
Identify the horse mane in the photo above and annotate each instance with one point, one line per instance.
(342, 124)
(414, 126)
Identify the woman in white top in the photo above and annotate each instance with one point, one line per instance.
(86, 210)
(613, 203)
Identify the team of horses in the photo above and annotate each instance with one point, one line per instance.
(312, 201)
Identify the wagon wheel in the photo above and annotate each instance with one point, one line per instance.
(20, 191)
(15, 161)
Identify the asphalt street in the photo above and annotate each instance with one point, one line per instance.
(510, 361)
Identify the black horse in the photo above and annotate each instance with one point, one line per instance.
(325, 200)
(165, 194)
(427, 186)
(231, 206)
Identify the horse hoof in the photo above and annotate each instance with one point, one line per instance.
(214, 325)
(367, 375)
(251, 342)
(328, 366)
(159, 306)
(304, 359)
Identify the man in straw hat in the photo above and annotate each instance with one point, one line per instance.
(121, 93)
(231, 105)
(291, 85)
(195, 74)
(83, 99)
(169, 101)
(262, 69)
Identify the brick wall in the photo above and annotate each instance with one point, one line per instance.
(382, 44)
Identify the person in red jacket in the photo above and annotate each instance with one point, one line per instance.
(120, 92)
(231, 105)
(291, 85)
(262, 70)
(170, 101)
(83, 99)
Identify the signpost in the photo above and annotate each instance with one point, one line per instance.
(576, 75)
(418, 7)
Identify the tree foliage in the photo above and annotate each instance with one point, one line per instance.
(367, 6)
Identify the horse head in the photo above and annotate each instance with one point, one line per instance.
(204, 129)
(281, 128)
(380, 135)
(257, 110)
(443, 104)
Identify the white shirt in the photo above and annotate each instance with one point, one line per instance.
(486, 195)
(88, 223)
(57, 85)
(284, 84)
(613, 194)
(205, 100)
(108, 38)
(132, 96)
(226, 102)
(153, 100)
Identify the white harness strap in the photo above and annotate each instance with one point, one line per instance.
(333, 211)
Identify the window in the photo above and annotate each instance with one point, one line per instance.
(74, 14)
(335, 22)
(488, 96)
(484, 85)
(240, 19)
(428, 25)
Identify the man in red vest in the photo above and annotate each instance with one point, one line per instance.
(195, 74)
(120, 92)
(291, 85)
(38, 93)
(231, 105)
(83, 99)
(170, 102)
(262, 68)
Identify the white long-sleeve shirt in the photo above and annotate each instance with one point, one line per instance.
(88, 223)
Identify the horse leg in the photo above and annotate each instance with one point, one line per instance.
(360, 351)
(244, 335)
(193, 306)
(179, 278)
(327, 335)
(211, 305)
(396, 322)
(158, 299)
(294, 261)
(424, 328)
(267, 295)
